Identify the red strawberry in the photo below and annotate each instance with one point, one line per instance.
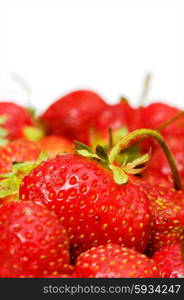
(170, 261)
(117, 116)
(55, 145)
(157, 113)
(20, 150)
(92, 207)
(5, 160)
(114, 261)
(72, 115)
(167, 207)
(17, 118)
(32, 241)
(162, 169)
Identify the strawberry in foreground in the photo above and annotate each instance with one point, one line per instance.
(92, 207)
(16, 119)
(55, 145)
(33, 242)
(170, 261)
(114, 261)
(72, 115)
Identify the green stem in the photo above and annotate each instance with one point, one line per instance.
(124, 142)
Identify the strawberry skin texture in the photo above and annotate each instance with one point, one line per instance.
(93, 209)
(114, 261)
(55, 145)
(72, 115)
(32, 241)
(20, 150)
(5, 160)
(17, 118)
(167, 224)
(170, 262)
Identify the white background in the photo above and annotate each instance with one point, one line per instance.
(107, 46)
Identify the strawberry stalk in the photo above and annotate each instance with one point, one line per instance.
(131, 137)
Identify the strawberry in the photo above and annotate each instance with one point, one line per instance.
(5, 160)
(167, 207)
(162, 169)
(92, 207)
(157, 113)
(72, 115)
(170, 261)
(114, 261)
(32, 241)
(117, 116)
(16, 119)
(20, 150)
(55, 145)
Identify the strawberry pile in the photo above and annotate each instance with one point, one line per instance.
(89, 189)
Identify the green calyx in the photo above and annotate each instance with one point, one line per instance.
(140, 133)
(121, 168)
(10, 182)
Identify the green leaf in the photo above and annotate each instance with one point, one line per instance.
(101, 153)
(137, 165)
(120, 177)
(86, 153)
(11, 181)
(9, 186)
(3, 119)
(80, 146)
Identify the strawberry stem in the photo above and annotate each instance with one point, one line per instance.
(125, 141)
(146, 88)
(170, 121)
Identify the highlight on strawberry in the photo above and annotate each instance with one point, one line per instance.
(91, 190)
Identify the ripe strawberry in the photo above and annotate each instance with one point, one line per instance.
(114, 261)
(117, 116)
(17, 118)
(157, 113)
(167, 207)
(170, 262)
(162, 169)
(55, 145)
(32, 241)
(92, 207)
(20, 150)
(72, 115)
(5, 160)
